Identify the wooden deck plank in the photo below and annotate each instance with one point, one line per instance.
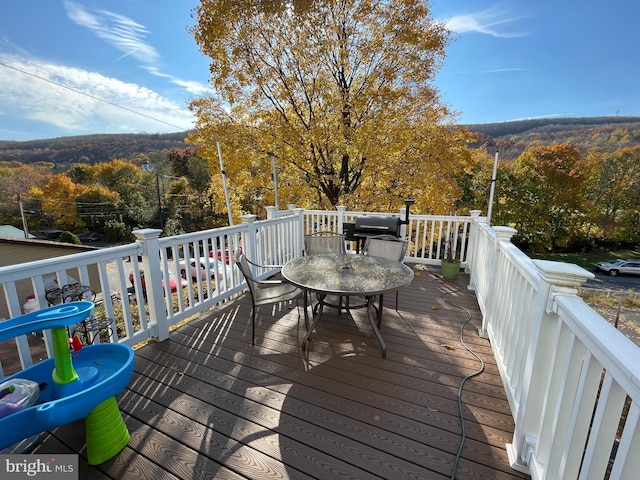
(278, 434)
(353, 410)
(208, 404)
(354, 375)
(127, 464)
(50, 444)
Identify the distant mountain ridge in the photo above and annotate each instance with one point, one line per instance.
(98, 148)
(510, 138)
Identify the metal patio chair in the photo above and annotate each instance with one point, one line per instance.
(266, 292)
(387, 246)
(324, 242)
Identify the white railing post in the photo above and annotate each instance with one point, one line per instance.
(341, 210)
(250, 239)
(503, 234)
(271, 212)
(299, 240)
(402, 213)
(154, 288)
(555, 277)
(473, 242)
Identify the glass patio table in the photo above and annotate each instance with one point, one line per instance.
(347, 275)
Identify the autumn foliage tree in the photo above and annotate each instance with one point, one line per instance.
(59, 201)
(339, 92)
(13, 182)
(543, 197)
(613, 195)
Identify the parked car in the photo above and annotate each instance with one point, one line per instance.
(52, 234)
(173, 282)
(631, 267)
(198, 267)
(86, 237)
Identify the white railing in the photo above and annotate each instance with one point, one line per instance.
(131, 279)
(571, 378)
(425, 233)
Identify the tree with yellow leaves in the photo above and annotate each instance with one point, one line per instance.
(339, 92)
(543, 197)
(59, 201)
(613, 195)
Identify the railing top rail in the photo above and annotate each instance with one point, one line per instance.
(617, 354)
(16, 272)
(522, 263)
(274, 221)
(214, 232)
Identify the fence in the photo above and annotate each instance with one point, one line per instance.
(143, 292)
(426, 234)
(571, 378)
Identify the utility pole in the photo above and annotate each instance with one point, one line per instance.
(147, 167)
(493, 187)
(25, 227)
(274, 177)
(159, 200)
(224, 185)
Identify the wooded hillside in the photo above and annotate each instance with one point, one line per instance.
(512, 138)
(605, 133)
(89, 149)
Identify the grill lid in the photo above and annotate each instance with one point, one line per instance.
(377, 225)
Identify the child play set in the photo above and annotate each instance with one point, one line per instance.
(79, 382)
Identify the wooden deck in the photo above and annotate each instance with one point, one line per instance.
(206, 404)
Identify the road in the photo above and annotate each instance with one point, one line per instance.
(627, 320)
(619, 282)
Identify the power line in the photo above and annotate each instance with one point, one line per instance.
(89, 95)
(70, 202)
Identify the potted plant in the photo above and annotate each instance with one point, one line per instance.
(450, 264)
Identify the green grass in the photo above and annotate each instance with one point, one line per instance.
(587, 260)
(599, 298)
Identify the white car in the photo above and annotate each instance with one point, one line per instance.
(197, 267)
(631, 267)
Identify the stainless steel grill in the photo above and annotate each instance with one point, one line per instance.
(369, 226)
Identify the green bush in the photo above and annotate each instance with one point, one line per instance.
(70, 237)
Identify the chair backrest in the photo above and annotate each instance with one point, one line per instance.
(386, 247)
(245, 268)
(324, 242)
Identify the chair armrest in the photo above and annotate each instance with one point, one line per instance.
(269, 282)
(261, 266)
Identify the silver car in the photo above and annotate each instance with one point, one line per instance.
(631, 267)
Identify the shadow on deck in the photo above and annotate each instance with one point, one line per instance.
(206, 404)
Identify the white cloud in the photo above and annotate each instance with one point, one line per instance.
(506, 70)
(549, 115)
(119, 31)
(79, 101)
(128, 36)
(492, 21)
(190, 86)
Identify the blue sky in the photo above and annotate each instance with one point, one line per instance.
(509, 60)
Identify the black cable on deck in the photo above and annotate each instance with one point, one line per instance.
(464, 380)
